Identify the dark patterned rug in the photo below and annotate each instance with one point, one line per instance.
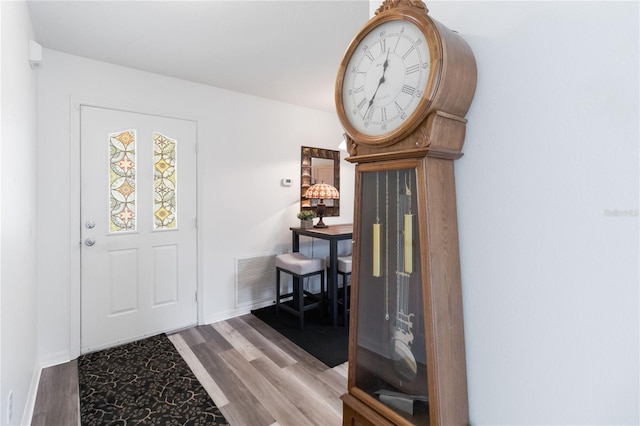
(143, 383)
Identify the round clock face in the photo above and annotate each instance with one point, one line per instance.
(385, 78)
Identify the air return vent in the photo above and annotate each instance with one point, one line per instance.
(255, 280)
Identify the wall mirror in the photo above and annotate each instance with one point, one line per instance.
(319, 165)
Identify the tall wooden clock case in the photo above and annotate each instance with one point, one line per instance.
(403, 88)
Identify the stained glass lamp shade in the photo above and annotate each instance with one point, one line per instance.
(322, 191)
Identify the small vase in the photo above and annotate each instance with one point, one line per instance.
(306, 223)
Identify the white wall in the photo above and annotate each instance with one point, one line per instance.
(18, 205)
(246, 146)
(550, 274)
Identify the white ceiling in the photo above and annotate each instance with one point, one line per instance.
(282, 50)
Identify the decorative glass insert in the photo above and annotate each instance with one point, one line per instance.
(164, 182)
(122, 181)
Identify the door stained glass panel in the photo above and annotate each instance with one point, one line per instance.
(122, 181)
(164, 182)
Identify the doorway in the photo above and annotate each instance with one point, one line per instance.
(138, 208)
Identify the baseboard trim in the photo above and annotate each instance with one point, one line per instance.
(232, 313)
(30, 404)
(55, 359)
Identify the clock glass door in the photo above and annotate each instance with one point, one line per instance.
(390, 358)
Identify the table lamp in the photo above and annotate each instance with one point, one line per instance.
(322, 191)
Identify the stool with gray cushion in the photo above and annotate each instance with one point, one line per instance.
(299, 267)
(344, 270)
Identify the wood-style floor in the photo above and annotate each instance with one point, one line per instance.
(253, 374)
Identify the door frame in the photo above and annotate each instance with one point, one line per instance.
(75, 239)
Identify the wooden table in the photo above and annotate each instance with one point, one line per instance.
(333, 234)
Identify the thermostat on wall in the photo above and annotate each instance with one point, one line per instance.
(286, 182)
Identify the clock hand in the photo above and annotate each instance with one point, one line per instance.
(384, 70)
(374, 93)
(386, 63)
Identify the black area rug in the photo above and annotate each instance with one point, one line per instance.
(327, 343)
(143, 383)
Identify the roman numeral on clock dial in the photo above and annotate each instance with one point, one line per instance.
(408, 90)
(412, 69)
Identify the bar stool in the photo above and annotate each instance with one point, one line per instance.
(344, 270)
(299, 266)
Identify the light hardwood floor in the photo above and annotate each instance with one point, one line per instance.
(253, 374)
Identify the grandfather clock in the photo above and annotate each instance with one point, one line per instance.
(403, 88)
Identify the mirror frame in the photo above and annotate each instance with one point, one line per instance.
(307, 153)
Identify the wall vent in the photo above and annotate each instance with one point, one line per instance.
(255, 280)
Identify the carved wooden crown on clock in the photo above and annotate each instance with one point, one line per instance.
(437, 123)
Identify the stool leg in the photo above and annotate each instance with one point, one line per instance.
(300, 292)
(322, 294)
(344, 300)
(345, 289)
(325, 295)
(277, 292)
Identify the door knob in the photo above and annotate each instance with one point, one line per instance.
(90, 224)
(90, 241)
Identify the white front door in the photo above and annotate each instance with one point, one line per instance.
(138, 220)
